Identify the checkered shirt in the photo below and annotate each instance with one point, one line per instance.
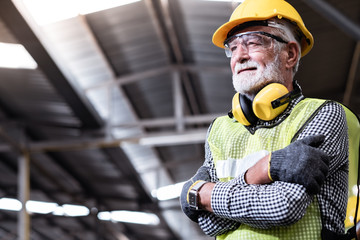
(280, 203)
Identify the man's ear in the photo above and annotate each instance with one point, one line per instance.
(293, 52)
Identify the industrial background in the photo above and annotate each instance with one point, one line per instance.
(115, 101)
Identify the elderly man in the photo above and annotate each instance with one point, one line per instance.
(277, 166)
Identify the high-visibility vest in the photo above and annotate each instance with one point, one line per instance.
(354, 139)
(230, 143)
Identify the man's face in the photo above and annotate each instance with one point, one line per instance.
(253, 70)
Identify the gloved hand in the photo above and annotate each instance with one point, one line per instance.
(201, 174)
(301, 162)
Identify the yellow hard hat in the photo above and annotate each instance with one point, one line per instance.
(257, 10)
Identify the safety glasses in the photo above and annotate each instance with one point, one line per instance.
(251, 41)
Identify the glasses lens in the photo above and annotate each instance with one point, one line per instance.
(252, 42)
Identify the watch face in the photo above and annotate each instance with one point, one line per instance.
(193, 202)
(193, 199)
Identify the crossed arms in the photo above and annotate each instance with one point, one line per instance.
(253, 199)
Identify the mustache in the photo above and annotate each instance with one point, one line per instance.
(246, 65)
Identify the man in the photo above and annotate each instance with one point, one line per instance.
(278, 168)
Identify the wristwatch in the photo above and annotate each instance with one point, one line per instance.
(194, 193)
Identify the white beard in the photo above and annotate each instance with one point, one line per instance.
(250, 82)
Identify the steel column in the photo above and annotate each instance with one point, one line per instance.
(178, 103)
(24, 195)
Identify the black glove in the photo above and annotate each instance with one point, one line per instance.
(201, 174)
(301, 162)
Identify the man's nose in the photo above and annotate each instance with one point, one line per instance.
(241, 54)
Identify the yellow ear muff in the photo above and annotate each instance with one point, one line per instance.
(237, 111)
(272, 100)
(242, 110)
(262, 106)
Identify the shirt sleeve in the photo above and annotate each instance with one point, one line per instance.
(211, 224)
(331, 122)
(279, 203)
(260, 206)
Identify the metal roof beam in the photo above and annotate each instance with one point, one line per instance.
(134, 77)
(88, 143)
(171, 121)
(347, 26)
(352, 75)
(160, 13)
(336, 17)
(125, 167)
(22, 31)
(170, 29)
(158, 139)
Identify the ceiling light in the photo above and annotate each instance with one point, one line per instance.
(46, 12)
(59, 211)
(168, 192)
(130, 217)
(15, 56)
(75, 210)
(45, 207)
(70, 210)
(10, 204)
(40, 207)
(106, 216)
(78, 211)
(135, 217)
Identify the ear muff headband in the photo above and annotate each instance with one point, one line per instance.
(262, 106)
(267, 104)
(247, 109)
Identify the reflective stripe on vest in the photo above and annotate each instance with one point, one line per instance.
(235, 167)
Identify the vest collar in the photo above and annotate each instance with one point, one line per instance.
(269, 124)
